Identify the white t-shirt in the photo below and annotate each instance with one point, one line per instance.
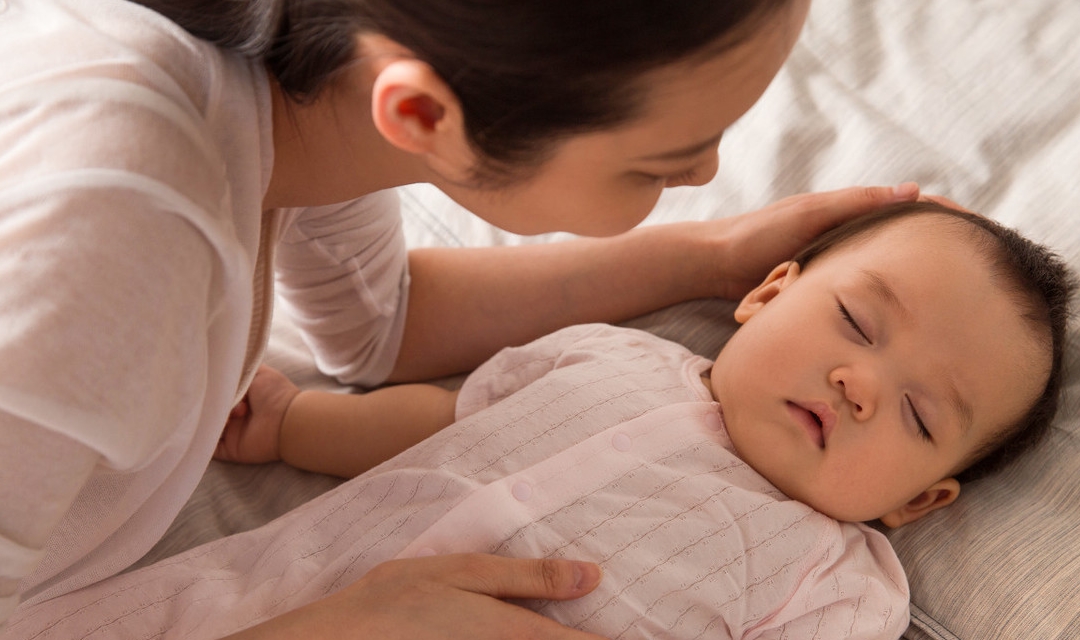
(135, 262)
(594, 443)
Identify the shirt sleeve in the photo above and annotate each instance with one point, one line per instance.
(342, 277)
(111, 276)
(40, 476)
(104, 316)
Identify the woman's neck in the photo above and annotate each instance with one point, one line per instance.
(328, 150)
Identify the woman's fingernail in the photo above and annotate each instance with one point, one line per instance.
(586, 576)
(906, 191)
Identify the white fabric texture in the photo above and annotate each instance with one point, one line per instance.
(127, 292)
(137, 293)
(594, 442)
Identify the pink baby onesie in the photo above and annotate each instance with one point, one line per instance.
(593, 443)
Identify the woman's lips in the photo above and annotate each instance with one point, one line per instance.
(817, 418)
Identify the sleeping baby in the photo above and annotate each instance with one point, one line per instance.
(897, 357)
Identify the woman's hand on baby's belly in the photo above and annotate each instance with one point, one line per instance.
(444, 597)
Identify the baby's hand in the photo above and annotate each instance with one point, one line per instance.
(252, 433)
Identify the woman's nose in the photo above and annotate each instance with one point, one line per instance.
(702, 173)
(858, 388)
(706, 172)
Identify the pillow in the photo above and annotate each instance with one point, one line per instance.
(1004, 560)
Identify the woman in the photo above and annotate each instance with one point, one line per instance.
(155, 184)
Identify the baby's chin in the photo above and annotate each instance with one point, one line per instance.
(837, 510)
(824, 500)
(843, 515)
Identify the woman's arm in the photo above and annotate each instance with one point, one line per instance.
(465, 304)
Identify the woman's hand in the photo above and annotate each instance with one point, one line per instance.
(441, 597)
(756, 242)
(252, 434)
(467, 303)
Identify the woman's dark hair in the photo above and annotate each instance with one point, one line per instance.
(1039, 281)
(527, 73)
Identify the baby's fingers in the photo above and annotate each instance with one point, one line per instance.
(240, 411)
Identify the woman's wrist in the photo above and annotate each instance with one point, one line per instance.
(686, 259)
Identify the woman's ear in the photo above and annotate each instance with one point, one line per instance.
(777, 280)
(941, 494)
(417, 112)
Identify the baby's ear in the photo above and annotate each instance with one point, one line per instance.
(777, 280)
(941, 494)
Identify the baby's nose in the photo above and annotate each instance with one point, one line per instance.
(857, 388)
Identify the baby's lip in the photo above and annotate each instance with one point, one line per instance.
(818, 418)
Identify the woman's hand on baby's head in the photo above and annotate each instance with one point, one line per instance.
(758, 241)
(252, 433)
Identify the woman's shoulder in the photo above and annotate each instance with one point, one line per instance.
(51, 42)
(106, 94)
(118, 53)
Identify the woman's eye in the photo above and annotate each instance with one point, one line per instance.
(684, 177)
(647, 178)
(924, 433)
(653, 178)
(851, 321)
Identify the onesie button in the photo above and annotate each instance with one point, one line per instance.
(713, 421)
(522, 491)
(621, 442)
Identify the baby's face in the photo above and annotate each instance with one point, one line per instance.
(859, 383)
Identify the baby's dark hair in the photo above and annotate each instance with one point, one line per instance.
(527, 73)
(1039, 281)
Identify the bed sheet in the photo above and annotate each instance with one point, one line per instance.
(977, 100)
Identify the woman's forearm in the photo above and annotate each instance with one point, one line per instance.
(465, 304)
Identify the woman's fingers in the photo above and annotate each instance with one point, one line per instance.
(546, 579)
(452, 597)
(753, 243)
(827, 209)
(467, 591)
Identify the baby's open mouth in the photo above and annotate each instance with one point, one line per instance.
(811, 421)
